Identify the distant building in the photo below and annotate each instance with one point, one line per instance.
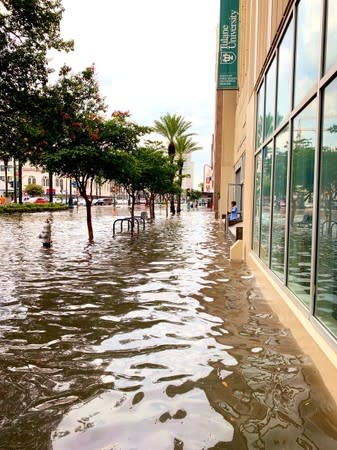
(208, 178)
(34, 175)
(188, 170)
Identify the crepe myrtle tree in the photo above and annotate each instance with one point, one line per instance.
(28, 30)
(81, 144)
(82, 163)
(67, 138)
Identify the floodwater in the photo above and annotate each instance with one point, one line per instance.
(151, 342)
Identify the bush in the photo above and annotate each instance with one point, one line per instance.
(34, 190)
(31, 207)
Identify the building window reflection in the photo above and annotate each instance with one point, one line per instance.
(257, 203)
(301, 201)
(285, 59)
(270, 100)
(266, 203)
(260, 116)
(308, 38)
(326, 302)
(285, 229)
(280, 202)
(331, 35)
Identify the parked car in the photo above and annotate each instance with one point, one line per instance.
(102, 201)
(79, 201)
(36, 200)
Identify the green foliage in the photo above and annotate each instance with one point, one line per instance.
(31, 207)
(170, 127)
(184, 146)
(194, 195)
(303, 159)
(28, 29)
(156, 171)
(122, 134)
(34, 190)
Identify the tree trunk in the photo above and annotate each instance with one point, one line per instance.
(172, 205)
(88, 204)
(179, 203)
(20, 182)
(152, 214)
(180, 178)
(89, 220)
(133, 201)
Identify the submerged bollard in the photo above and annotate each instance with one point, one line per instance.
(45, 234)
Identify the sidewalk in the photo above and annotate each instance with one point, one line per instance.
(307, 337)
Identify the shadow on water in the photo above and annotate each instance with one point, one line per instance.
(149, 342)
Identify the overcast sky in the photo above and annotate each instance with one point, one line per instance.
(152, 57)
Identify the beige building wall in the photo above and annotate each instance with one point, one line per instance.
(234, 135)
(261, 22)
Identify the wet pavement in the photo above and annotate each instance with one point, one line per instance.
(151, 342)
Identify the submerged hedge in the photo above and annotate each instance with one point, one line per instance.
(11, 208)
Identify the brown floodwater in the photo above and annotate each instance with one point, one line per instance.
(150, 342)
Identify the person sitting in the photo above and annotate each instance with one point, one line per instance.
(233, 215)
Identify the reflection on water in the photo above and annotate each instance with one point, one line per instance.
(151, 342)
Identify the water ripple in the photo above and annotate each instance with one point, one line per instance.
(145, 342)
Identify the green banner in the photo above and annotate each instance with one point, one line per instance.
(228, 44)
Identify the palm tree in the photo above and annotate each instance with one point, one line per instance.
(170, 127)
(184, 145)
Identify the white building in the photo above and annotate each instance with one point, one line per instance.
(34, 175)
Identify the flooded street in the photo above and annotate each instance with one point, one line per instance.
(151, 342)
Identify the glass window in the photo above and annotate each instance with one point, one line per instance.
(270, 100)
(307, 46)
(331, 35)
(326, 300)
(301, 197)
(260, 116)
(266, 202)
(285, 64)
(279, 203)
(257, 203)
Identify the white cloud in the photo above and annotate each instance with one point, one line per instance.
(152, 57)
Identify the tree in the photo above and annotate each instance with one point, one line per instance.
(184, 146)
(68, 142)
(170, 127)
(34, 189)
(124, 169)
(28, 29)
(157, 174)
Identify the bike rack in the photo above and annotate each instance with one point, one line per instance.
(128, 220)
